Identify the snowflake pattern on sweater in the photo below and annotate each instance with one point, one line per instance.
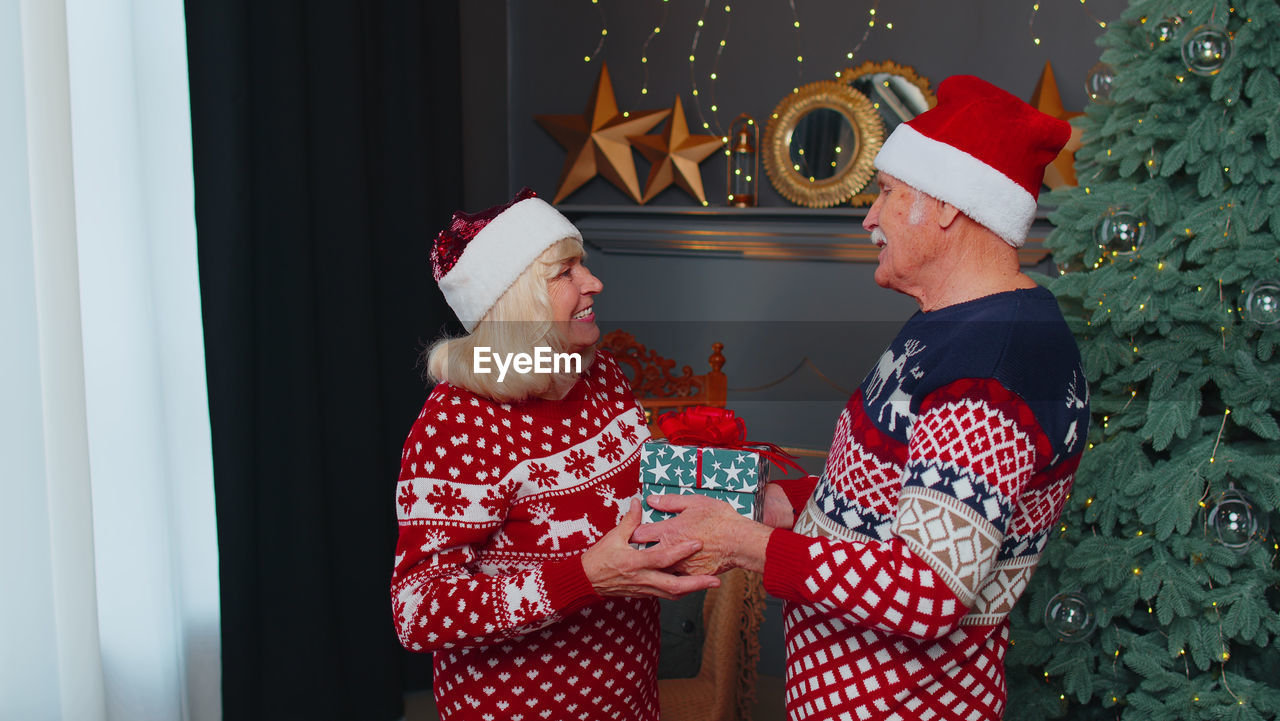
(948, 468)
(496, 504)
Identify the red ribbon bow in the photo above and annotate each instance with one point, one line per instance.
(703, 426)
(708, 426)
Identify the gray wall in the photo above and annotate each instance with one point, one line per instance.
(770, 314)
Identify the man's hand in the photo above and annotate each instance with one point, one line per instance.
(777, 511)
(616, 569)
(727, 539)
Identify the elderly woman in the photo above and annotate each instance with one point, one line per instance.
(515, 495)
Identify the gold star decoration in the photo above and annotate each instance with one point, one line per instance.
(1060, 173)
(596, 141)
(674, 156)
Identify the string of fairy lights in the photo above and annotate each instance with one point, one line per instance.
(644, 48)
(604, 32)
(873, 20)
(795, 23)
(715, 66)
(1035, 10)
(703, 85)
(871, 24)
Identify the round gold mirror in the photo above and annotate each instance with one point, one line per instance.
(896, 92)
(820, 143)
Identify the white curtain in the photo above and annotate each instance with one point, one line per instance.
(108, 554)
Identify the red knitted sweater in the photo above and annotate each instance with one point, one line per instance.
(496, 504)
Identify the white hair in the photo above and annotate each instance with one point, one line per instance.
(916, 214)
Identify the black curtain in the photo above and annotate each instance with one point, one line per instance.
(326, 158)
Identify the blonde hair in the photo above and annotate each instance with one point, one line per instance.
(520, 321)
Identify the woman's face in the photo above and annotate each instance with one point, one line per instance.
(573, 291)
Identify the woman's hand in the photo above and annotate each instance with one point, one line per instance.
(616, 569)
(727, 539)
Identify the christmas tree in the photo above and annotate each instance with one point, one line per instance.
(1157, 594)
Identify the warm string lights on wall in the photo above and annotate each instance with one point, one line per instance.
(644, 48)
(1035, 9)
(714, 75)
(871, 23)
(795, 23)
(604, 32)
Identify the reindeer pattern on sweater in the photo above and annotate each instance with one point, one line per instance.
(496, 504)
(948, 468)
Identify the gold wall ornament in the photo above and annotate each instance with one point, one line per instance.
(1061, 173)
(674, 156)
(596, 141)
(820, 143)
(897, 93)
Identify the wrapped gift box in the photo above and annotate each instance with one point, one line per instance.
(736, 476)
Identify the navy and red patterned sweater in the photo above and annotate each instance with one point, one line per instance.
(948, 469)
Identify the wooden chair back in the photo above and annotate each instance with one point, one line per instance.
(657, 387)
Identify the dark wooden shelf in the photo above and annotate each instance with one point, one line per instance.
(782, 233)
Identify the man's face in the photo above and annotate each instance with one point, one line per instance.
(900, 225)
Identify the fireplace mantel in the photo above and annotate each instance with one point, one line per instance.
(827, 234)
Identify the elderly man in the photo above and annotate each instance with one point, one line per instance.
(953, 459)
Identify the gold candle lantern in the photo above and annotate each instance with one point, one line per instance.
(744, 162)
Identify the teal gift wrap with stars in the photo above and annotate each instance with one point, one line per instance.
(736, 476)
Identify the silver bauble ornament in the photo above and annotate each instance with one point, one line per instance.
(1206, 49)
(1237, 521)
(1070, 615)
(1120, 232)
(1099, 81)
(1262, 303)
(1166, 29)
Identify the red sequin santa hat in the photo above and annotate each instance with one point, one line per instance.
(980, 149)
(481, 254)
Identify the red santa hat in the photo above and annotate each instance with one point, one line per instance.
(980, 149)
(481, 254)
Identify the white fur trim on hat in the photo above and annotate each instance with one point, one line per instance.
(956, 177)
(499, 253)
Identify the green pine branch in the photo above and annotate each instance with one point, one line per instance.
(1185, 387)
